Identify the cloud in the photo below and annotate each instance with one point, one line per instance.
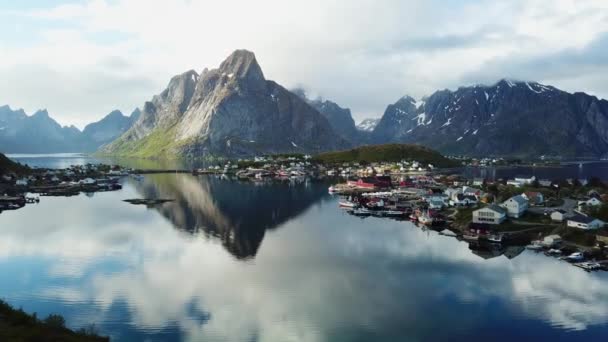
(362, 54)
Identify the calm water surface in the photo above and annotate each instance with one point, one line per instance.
(231, 261)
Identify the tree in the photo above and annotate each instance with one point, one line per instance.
(56, 321)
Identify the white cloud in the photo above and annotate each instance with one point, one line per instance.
(363, 54)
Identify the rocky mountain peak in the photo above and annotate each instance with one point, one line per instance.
(115, 114)
(242, 64)
(42, 113)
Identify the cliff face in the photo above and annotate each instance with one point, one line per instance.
(229, 111)
(508, 118)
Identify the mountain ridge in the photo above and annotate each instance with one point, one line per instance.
(509, 118)
(229, 111)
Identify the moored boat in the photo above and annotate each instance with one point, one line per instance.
(347, 204)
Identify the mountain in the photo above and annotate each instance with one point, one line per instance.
(509, 118)
(368, 125)
(340, 119)
(39, 133)
(229, 111)
(109, 128)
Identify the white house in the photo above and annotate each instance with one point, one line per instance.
(515, 206)
(525, 180)
(21, 182)
(584, 222)
(592, 202)
(491, 214)
(558, 215)
(463, 200)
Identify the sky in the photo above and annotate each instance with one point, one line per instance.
(82, 59)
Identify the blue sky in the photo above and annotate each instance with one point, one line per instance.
(82, 59)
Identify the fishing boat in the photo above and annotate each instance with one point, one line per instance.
(426, 219)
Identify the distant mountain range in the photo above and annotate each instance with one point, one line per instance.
(229, 111)
(234, 111)
(39, 133)
(508, 118)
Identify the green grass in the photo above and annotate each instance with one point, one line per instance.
(17, 325)
(386, 153)
(161, 143)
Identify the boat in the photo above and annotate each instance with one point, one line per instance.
(576, 256)
(470, 237)
(553, 251)
(536, 245)
(589, 266)
(332, 189)
(392, 213)
(347, 204)
(426, 219)
(495, 238)
(361, 212)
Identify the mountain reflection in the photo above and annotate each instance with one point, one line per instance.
(238, 213)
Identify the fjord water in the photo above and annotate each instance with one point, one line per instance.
(235, 261)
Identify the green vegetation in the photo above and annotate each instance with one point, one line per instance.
(16, 325)
(600, 212)
(577, 236)
(159, 143)
(386, 153)
(464, 216)
(7, 165)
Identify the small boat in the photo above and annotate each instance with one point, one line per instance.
(553, 251)
(470, 237)
(347, 204)
(495, 238)
(576, 256)
(535, 246)
(361, 212)
(332, 189)
(589, 266)
(392, 213)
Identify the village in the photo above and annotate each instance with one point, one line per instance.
(17, 190)
(562, 218)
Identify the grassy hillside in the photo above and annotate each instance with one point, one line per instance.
(7, 165)
(158, 144)
(387, 152)
(16, 325)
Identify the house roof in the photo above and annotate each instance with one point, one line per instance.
(519, 199)
(582, 219)
(495, 208)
